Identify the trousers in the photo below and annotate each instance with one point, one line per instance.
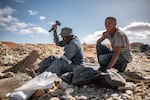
(104, 55)
(55, 65)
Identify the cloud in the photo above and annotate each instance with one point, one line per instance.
(31, 12)
(137, 27)
(91, 38)
(6, 10)
(39, 30)
(136, 32)
(51, 22)
(12, 24)
(42, 18)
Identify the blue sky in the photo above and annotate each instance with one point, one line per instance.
(28, 21)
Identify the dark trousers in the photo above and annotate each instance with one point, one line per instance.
(55, 65)
(104, 55)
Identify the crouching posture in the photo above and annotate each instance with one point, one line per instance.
(73, 53)
(119, 55)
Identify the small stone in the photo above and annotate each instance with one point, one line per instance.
(85, 86)
(54, 98)
(64, 85)
(69, 91)
(128, 86)
(114, 95)
(82, 97)
(57, 93)
(130, 98)
(115, 98)
(129, 92)
(68, 97)
(105, 96)
(124, 96)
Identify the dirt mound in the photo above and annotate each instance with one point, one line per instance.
(25, 63)
(136, 45)
(10, 44)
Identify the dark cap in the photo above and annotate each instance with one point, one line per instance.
(66, 31)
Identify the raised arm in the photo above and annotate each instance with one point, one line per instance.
(56, 38)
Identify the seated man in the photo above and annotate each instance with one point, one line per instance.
(120, 54)
(73, 53)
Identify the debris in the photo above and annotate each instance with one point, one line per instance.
(25, 63)
(9, 84)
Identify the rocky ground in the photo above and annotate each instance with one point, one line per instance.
(24, 56)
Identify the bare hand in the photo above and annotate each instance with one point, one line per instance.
(105, 34)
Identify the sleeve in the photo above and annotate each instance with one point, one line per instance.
(119, 41)
(56, 40)
(69, 52)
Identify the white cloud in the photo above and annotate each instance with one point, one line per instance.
(40, 30)
(12, 24)
(42, 18)
(92, 38)
(7, 19)
(137, 27)
(31, 12)
(21, 24)
(51, 23)
(6, 10)
(25, 31)
(136, 32)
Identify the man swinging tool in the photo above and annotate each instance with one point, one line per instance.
(73, 52)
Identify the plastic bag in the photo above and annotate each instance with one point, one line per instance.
(42, 81)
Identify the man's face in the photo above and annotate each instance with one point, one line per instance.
(110, 25)
(66, 38)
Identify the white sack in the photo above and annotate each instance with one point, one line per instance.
(42, 81)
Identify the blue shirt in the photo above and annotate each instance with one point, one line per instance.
(73, 51)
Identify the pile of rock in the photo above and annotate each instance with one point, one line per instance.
(22, 50)
(29, 55)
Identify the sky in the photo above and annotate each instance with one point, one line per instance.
(28, 21)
